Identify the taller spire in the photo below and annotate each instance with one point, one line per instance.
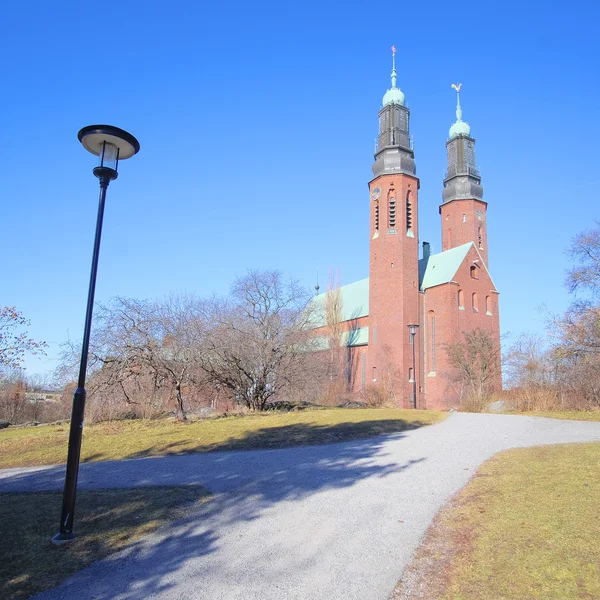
(394, 95)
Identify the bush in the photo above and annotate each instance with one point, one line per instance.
(377, 396)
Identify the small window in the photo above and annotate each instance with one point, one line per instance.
(464, 218)
(410, 374)
(377, 216)
(474, 301)
(461, 300)
(374, 374)
(488, 305)
(480, 239)
(408, 212)
(474, 272)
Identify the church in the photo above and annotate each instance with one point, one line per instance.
(398, 322)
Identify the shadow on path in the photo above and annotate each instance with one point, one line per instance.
(246, 485)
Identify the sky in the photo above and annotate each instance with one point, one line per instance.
(257, 123)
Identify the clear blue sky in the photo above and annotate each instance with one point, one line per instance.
(257, 121)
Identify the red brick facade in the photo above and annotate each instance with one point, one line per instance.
(393, 281)
(465, 221)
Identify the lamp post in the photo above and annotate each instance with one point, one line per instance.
(111, 144)
(413, 332)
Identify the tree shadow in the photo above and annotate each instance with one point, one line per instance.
(250, 487)
(105, 521)
(285, 436)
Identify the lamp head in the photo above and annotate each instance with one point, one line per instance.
(413, 329)
(110, 144)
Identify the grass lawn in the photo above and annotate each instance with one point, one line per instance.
(526, 527)
(577, 415)
(106, 521)
(47, 445)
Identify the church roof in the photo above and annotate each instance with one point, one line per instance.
(435, 270)
(355, 302)
(441, 268)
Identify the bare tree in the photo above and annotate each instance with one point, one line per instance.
(585, 252)
(13, 401)
(15, 343)
(141, 350)
(334, 309)
(475, 365)
(258, 340)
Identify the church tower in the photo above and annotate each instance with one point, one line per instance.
(394, 249)
(463, 210)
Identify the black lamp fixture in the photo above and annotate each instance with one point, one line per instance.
(413, 332)
(111, 144)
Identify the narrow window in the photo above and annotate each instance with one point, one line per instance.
(474, 273)
(464, 218)
(374, 374)
(431, 340)
(410, 374)
(377, 216)
(392, 213)
(488, 306)
(461, 300)
(474, 301)
(408, 212)
(480, 239)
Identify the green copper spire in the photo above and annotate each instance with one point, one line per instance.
(393, 95)
(460, 127)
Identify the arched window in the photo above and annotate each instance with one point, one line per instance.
(488, 305)
(461, 300)
(474, 301)
(474, 272)
(431, 341)
(410, 374)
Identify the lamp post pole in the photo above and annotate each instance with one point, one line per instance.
(108, 143)
(413, 332)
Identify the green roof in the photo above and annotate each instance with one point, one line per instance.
(441, 268)
(355, 302)
(435, 270)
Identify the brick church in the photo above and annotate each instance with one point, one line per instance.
(410, 305)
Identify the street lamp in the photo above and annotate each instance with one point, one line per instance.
(413, 332)
(111, 144)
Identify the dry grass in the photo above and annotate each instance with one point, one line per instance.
(107, 521)
(47, 445)
(526, 527)
(576, 415)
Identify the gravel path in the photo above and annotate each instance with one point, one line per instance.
(323, 522)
